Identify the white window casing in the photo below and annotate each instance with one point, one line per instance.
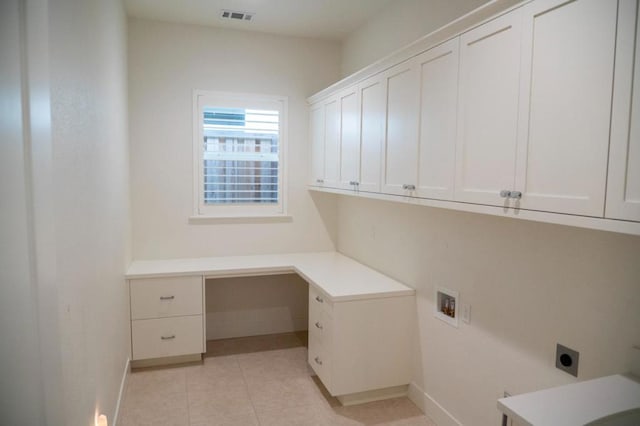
(239, 155)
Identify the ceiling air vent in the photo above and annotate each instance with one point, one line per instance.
(236, 16)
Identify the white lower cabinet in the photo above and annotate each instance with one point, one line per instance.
(167, 317)
(165, 337)
(360, 345)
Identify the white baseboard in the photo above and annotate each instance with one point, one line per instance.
(431, 408)
(373, 395)
(123, 388)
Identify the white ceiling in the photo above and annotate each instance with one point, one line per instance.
(326, 19)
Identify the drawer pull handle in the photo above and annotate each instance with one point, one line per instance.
(173, 336)
(515, 194)
(167, 297)
(318, 360)
(318, 325)
(319, 299)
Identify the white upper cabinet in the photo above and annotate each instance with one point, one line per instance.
(401, 147)
(373, 101)
(623, 190)
(438, 69)
(488, 110)
(567, 80)
(349, 138)
(332, 143)
(316, 132)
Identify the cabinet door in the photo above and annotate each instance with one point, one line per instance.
(349, 138)
(316, 133)
(373, 101)
(623, 187)
(401, 145)
(438, 102)
(488, 110)
(332, 143)
(567, 82)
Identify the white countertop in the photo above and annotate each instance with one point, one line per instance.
(575, 404)
(340, 277)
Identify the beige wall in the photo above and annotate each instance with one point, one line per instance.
(530, 285)
(21, 396)
(65, 227)
(91, 179)
(252, 306)
(398, 24)
(166, 63)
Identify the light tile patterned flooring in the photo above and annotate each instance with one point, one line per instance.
(262, 380)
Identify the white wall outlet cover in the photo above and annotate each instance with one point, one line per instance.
(442, 294)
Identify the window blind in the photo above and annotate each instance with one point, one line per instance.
(240, 155)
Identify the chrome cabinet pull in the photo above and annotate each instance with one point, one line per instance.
(167, 297)
(515, 194)
(319, 299)
(409, 187)
(318, 325)
(319, 180)
(318, 360)
(505, 193)
(173, 336)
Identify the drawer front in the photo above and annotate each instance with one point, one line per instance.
(320, 327)
(320, 362)
(318, 301)
(165, 297)
(164, 337)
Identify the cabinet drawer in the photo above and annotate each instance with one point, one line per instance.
(320, 326)
(164, 337)
(318, 301)
(166, 297)
(320, 361)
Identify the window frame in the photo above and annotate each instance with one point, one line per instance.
(202, 98)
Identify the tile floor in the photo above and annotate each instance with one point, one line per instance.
(263, 381)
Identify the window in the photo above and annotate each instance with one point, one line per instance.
(239, 148)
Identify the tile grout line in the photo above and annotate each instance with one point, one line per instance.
(246, 385)
(186, 391)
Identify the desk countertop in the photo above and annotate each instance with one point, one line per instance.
(339, 276)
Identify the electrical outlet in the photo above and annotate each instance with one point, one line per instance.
(567, 359)
(466, 313)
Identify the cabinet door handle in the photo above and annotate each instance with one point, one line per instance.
(318, 360)
(409, 187)
(173, 336)
(318, 325)
(515, 194)
(167, 297)
(319, 180)
(319, 299)
(505, 193)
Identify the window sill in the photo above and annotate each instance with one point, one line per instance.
(203, 220)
